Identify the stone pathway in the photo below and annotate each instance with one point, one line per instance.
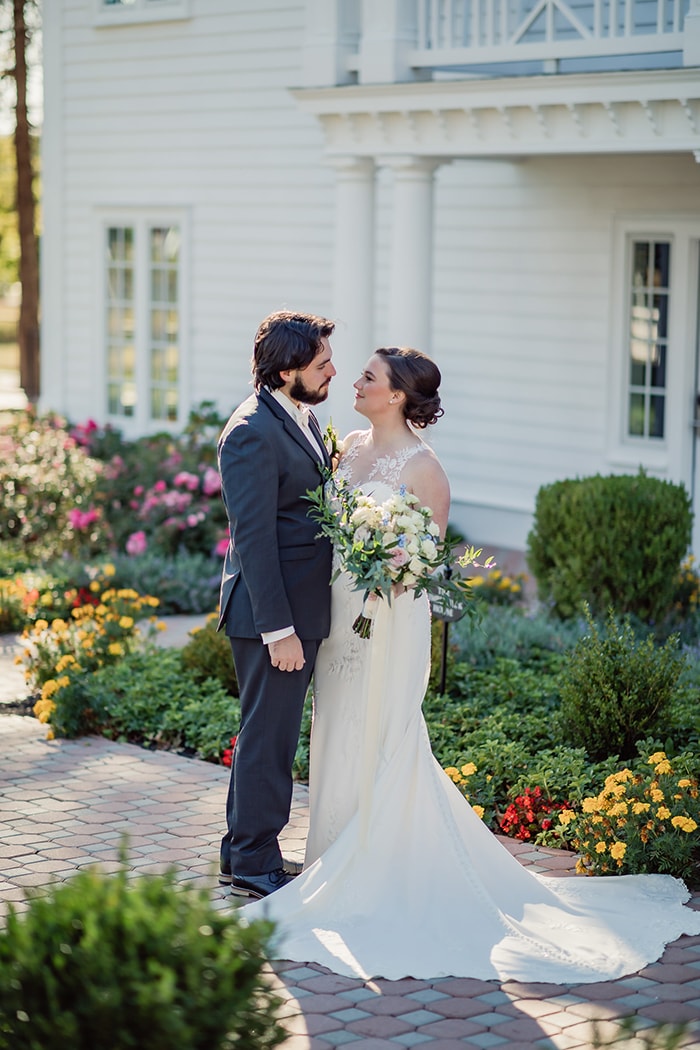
(66, 804)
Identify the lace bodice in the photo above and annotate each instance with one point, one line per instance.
(385, 469)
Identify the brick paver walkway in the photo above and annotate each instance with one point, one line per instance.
(65, 804)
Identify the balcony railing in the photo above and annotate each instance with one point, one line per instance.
(463, 33)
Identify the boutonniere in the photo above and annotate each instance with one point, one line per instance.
(334, 445)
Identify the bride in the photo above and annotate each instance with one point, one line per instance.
(401, 877)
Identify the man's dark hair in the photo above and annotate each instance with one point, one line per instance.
(284, 341)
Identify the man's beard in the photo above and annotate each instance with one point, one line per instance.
(299, 391)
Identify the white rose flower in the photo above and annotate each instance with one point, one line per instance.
(428, 550)
(416, 565)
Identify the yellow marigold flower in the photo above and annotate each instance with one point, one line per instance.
(663, 812)
(66, 660)
(657, 757)
(566, 816)
(476, 581)
(115, 649)
(63, 681)
(153, 602)
(479, 810)
(94, 586)
(581, 868)
(108, 569)
(686, 824)
(50, 735)
(59, 626)
(644, 835)
(160, 626)
(684, 782)
(641, 807)
(40, 626)
(663, 767)
(128, 592)
(46, 599)
(43, 710)
(18, 660)
(619, 809)
(468, 770)
(126, 622)
(597, 818)
(49, 688)
(618, 850)
(589, 805)
(452, 772)
(657, 795)
(677, 796)
(600, 847)
(101, 610)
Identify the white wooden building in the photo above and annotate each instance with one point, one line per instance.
(510, 185)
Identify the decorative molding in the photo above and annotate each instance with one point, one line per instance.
(640, 112)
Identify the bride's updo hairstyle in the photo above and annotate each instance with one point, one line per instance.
(416, 376)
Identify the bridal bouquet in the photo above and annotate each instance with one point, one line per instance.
(395, 542)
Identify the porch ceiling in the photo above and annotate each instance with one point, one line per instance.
(639, 112)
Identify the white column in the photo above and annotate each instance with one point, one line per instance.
(691, 35)
(353, 282)
(411, 256)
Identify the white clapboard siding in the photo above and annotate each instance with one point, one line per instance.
(196, 115)
(521, 317)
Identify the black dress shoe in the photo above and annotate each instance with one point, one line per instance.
(291, 867)
(259, 886)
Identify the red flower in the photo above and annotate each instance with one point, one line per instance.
(227, 755)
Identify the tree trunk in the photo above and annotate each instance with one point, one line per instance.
(28, 330)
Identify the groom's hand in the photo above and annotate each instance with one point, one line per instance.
(287, 654)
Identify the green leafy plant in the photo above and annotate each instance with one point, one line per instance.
(208, 655)
(616, 689)
(109, 961)
(615, 540)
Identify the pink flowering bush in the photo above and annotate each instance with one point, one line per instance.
(48, 480)
(162, 493)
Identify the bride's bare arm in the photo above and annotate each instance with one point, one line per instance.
(425, 477)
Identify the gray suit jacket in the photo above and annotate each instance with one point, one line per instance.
(277, 570)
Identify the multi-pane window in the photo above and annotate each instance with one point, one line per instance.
(164, 352)
(647, 337)
(143, 322)
(120, 310)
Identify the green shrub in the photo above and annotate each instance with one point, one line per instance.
(148, 697)
(615, 540)
(184, 582)
(208, 655)
(615, 689)
(531, 639)
(107, 961)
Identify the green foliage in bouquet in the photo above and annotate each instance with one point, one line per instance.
(615, 540)
(119, 963)
(616, 690)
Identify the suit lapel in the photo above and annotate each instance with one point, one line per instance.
(316, 431)
(292, 429)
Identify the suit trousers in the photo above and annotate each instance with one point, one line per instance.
(260, 789)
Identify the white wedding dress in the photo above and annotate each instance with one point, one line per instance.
(401, 877)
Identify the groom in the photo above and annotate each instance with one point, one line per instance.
(275, 587)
